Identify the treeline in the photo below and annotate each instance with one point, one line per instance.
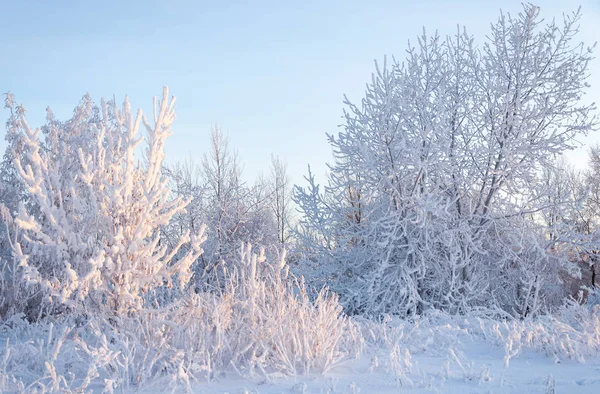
(446, 191)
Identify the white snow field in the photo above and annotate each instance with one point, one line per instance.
(438, 353)
(472, 356)
(484, 372)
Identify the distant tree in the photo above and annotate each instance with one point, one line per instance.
(186, 182)
(589, 214)
(222, 174)
(281, 198)
(234, 212)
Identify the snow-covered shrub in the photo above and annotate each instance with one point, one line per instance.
(13, 292)
(262, 324)
(40, 358)
(209, 336)
(88, 233)
(593, 297)
(572, 334)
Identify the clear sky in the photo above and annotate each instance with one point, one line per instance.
(272, 74)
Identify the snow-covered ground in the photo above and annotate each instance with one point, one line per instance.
(478, 369)
(439, 353)
(442, 359)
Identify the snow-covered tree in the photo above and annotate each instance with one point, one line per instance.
(587, 186)
(234, 211)
(186, 182)
(437, 174)
(11, 193)
(88, 236)
(281, 198)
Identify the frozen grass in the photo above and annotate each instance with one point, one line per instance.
(262, 327)
(262, 330)
(572, 334)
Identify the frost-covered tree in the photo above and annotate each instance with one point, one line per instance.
(88, 234)
(186, 182)
(11, 193)
(222, 174)
(233, 210)
(436, 187)
(281, 198)
(588, 215)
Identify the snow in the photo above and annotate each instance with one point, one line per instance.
(437, 354)
(485, 373)
(445, 233)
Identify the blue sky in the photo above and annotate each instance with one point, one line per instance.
(272, 74)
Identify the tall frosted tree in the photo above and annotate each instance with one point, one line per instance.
(435, 186)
